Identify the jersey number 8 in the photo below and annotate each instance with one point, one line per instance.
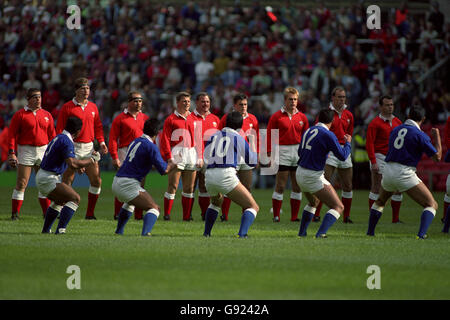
(400, 140)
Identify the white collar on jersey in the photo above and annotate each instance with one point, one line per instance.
(198, 114)
(334, 109)
(67, 134)
(127, 112)
(27, 108)
(387, 119)
(148, 137)
(320, 124)
(79, 104)
(179, 114)
(284, 110)
(231, 130)
(410, 122)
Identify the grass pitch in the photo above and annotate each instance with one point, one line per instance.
(178, 263)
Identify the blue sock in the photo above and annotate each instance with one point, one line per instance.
(246, 221)
(50, 217)
(327, 222)
(425, 221)
(210, 217)
(149, 221)
(124, 216)
(374, 216)
(306, 219)
(446, 221)
(67, 213)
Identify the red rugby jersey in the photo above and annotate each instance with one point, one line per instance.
(208, 124)
(31, 128)
(290, 129)
(377, 137)
(92, 125)
(447, 133)
(124, 129)
(250, 128)
(342, 124)
(183, 135)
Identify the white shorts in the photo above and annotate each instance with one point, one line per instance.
(333, 161)
(310, 181)
(83, 150)
(126, 189)
(379, 157)
(46, 181)
(398, 177)
(220, 180)
(288, 155)
(188, 158)
(30, 155)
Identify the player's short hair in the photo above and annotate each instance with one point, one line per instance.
(416, 113)
(290, 90)
(132, 94)
(386, 96)
(73, 124)
(336, 89)
(151, 127)
(182, 94)
(81, 82)
(201, 95)
(32, 92)
(239, 97)
(326, 115)
(234, 120)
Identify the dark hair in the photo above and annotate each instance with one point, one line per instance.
(336, 89)
(32, 92)
(73, 124)
(81, 82)
(234, 120)
(201, 95)
(388, 97)
(416, 113)
(151, 127)
(132, 95)
(326, 115)
(239, 97)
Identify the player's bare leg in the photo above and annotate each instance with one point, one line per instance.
(187, 196)
(173, 181)
(422, 195)
(328, 173)
(281, 179)
(376, 210)
(23, 175)
(346, 176)
(203, 195)
(296, 197)
(242, 196)
(95, 181)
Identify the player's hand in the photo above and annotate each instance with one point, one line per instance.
(116, 163)
(103, 148)
(348, 138)
(170, 165)
(177, 157)
(199, 163)
(81, 170)
(12, 160)
(95, 156)
(375, 167)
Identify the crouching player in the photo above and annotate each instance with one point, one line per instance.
(222, 152)
(317, 142)
(406, 145)
(59, 155)
(142, 154)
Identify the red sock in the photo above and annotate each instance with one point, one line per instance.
(395, 210)
(45, 203)
(295, 207)
(16, 205)
(92, 201)
(138, 214)
(371, 202)
(446, 204)
(168, 203)
(204, 202)
(276, 206)
(319, 207)
(186, 203)
(347, 202)
(117, 206)
(226, 207)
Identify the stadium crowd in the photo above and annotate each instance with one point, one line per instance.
(160, 49)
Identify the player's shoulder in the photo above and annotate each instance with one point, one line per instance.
(348, 113)
(252, 117)
(213, 117)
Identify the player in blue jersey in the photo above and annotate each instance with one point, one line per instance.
(222, 153)
(58, 156)
(317, 142)
(142, 155)
(407, 143)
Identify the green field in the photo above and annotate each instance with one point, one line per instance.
(179, 263)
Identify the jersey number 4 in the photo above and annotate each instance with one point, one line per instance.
(132, 151)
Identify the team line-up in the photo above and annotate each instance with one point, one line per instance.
(219, 155)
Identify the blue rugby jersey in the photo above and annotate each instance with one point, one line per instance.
(142, 154)
(317, 142)
(224, 149)
(407, 143)
(58, 150)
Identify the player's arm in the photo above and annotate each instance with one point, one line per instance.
(62, 119)
(437, 144)
(341, 152)
(112, 141)
(51, 132)
(98, 132)
(12, 134)
(250, 157)
(166, 152)
(370, 146)
(161, 166)
(79, 164)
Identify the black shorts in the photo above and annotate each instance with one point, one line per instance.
(287, 168)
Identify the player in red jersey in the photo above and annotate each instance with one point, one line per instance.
(126, 127)
(177, 143)
(92, 129)
(291, 124)
(342, 124)
(377, 145)
(31, 129)
(447, 193)
(249, 131)
(205, 124)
